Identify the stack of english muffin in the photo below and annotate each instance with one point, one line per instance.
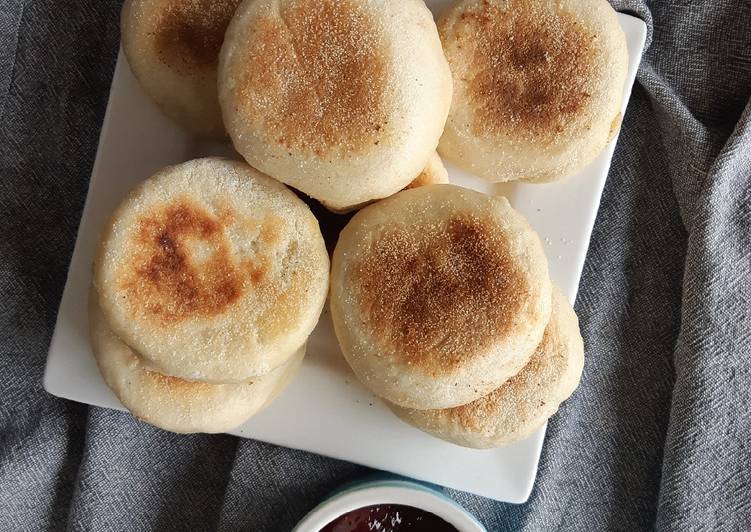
(443, 306)
(209, 278)
(212, 274)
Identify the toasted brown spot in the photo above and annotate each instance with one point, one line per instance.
(174, 384)
(188, 34)
(440, 294)
(258, 271)
(315, 73)
(270, 232)
(531, 67)
(166, 280)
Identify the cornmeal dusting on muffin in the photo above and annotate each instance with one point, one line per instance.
(165, 278)
(319, 77)
(443, 292)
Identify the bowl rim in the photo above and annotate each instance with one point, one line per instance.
(393, 491)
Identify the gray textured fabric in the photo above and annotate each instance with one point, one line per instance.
(657, 434)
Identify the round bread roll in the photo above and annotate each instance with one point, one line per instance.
(522, 404)
(212, 272)
(175, 404)
(433, 174)
(172, 48)
(439, 294)
(345, 100)
(538, 86)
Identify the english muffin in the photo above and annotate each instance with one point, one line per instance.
(345, 100)
(522, 404)
(175, 404)
(439, 294)
(212, 272)
(538, 85)
(172, 48)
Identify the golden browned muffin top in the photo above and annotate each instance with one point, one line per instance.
(442, 293)
(317, 71)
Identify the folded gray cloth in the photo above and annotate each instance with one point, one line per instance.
(658, 432)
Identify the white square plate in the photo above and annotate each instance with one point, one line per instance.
(325, 410)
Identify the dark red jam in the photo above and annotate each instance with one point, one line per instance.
(389, 518)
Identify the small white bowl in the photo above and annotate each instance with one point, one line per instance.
(389, 490)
